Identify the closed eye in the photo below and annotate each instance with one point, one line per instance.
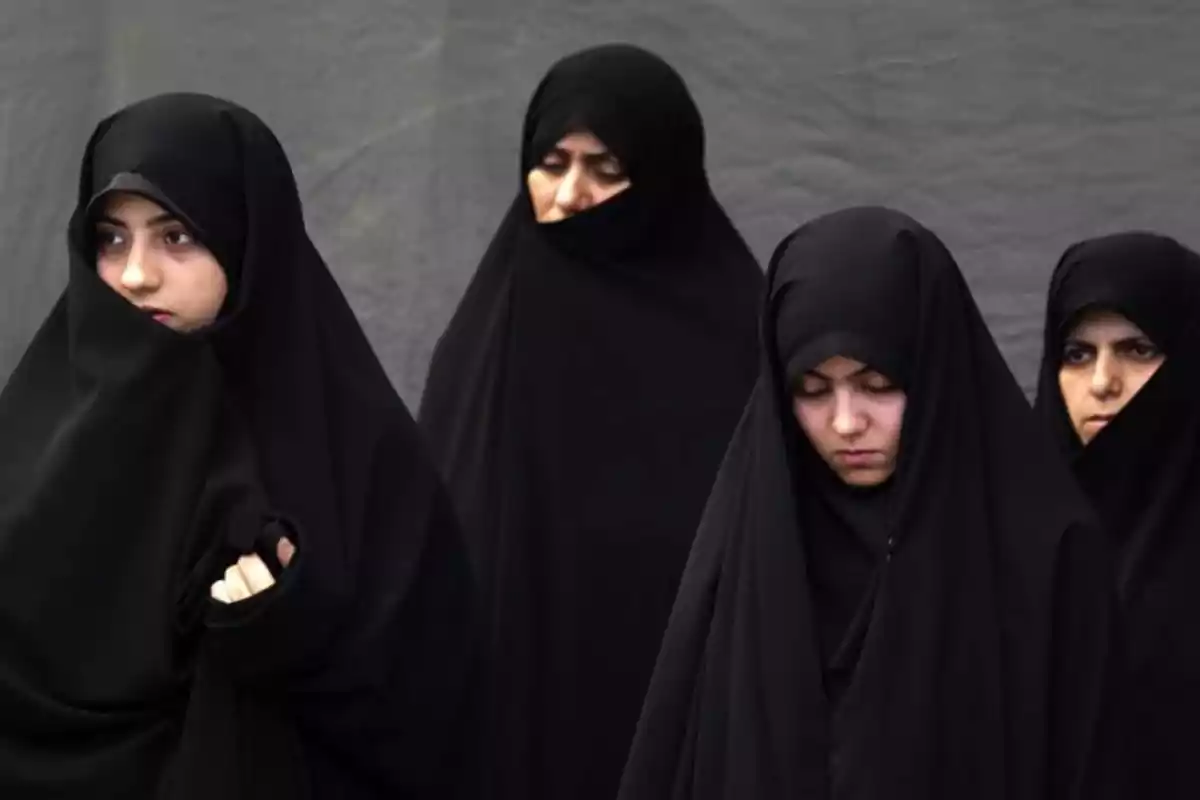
(555, 162)
(876, 383)
(811, 386)
(607, 167)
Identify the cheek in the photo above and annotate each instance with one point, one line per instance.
(1140, 375)
(1073, 384)
(813, 418)
(603, 192)
(110, 270)
(542, 189)
(888, 416)
(202, 286)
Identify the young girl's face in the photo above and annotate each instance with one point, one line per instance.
(853, 415)
(152, 260)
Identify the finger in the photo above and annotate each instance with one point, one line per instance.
(255, 574)
(285, 550)
(220, 593)
(235, 585)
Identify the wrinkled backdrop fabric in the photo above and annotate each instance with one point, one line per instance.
(1011, 128)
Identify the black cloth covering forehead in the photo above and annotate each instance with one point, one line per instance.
(1142, 474)
(141, 462)
(1135, 274)
(190, 156)
(834, 298)
(631, 100)
(975, 657)
(578, 404)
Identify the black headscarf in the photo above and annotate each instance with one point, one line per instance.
(579, 404)
(139, 462)
(1142, 473)
(956, 650)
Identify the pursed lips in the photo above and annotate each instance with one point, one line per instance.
(158, 314)
(858, 458)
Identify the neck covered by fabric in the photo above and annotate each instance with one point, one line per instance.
(796, 665)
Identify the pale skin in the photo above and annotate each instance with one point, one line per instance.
(151, 259)
(1106, 360)
(578, 173)
(853, 417)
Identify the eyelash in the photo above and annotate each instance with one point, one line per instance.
(179, 234)
(1075, 354)
(1147, 351)
(172, 237)
(608, 172)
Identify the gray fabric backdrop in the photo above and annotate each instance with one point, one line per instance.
(1011, 127)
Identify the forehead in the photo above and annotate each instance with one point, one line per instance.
(582, 143)
(1104, 325)
(131, 208)
(840, 367)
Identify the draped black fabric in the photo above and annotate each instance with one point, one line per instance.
(1142, 473)
(579, 403)
(969, 646)
(140, 462)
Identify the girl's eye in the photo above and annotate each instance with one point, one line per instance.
(812, 387)
(178, 238)
(878, 384)
(107, 239)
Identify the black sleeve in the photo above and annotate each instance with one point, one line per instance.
(265, 636)
(381, 684)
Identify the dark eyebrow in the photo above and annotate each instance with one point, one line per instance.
(161, 219)
(816, 373)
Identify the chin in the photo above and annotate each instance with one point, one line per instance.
(865, 478)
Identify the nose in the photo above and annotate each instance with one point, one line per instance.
(140, 274)
(574, 193)
(847, 421)
(1106, 380)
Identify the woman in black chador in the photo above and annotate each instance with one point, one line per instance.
(895, 592)
(1118, 390)
(227, 566)
(579, 404)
